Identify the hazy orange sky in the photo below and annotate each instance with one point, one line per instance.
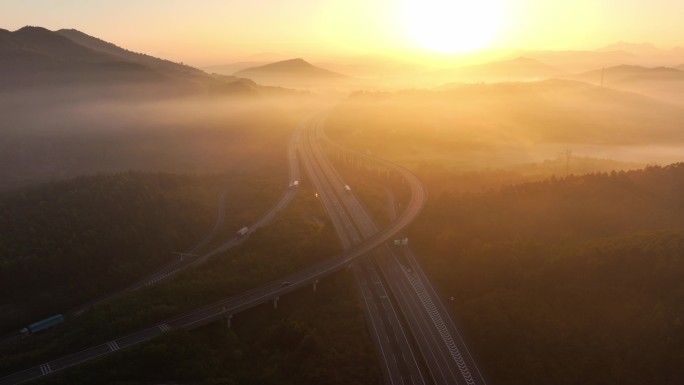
(203, 32)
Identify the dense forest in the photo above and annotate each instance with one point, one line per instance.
(304, 341)
(565, 281)
(65, 243)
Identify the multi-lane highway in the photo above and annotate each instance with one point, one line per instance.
(397, 359)
(445, 354)
(225, 308)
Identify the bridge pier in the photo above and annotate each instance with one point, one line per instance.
(275, 302)
(314, 285)
(230, 316)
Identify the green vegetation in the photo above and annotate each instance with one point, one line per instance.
(66, 243)
(566, 281)
(312, 338)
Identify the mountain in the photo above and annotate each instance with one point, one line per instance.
(35, 57)
(633, 48)
(659, 82)
(163, 66)
(231, 68)
(630, 73)
(291, 72)
(577, 61)
(521, 68)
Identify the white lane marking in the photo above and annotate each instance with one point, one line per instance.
(441, 328)
(113, 345)
(45, 369)
(164, 327)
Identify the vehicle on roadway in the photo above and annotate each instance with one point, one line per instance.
(347, 189)
(242, 232)
(286, 283)
(45, 324)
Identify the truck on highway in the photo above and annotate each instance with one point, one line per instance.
(347, 189)
(294, 184)
(45, 324)
(242, 232)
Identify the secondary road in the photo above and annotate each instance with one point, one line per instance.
(225, 308)
(178, 265)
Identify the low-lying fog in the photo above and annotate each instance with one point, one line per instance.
(65, 132)
(57, 134)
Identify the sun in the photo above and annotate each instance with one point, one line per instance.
(452, 25)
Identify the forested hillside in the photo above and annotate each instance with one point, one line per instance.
(566, 281)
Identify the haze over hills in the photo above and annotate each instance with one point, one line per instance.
(36, 58)
(521, 68)
(291, 72)
(643, 49)
(166, 67)
(231, 68)
(660, 82)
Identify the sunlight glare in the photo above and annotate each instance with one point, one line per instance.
(452, 25)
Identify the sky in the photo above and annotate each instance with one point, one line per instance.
(206, 32)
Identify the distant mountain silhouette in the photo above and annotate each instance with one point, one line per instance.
(290, 72)
(661, 82)
(521, 68)
(627, 74)
(163, 66)
(36, 57)
(633, 48)
(231, 68)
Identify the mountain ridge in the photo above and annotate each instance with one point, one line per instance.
(520, 68)
(295, 71)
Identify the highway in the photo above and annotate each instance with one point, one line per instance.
(172, 268)
(226, 308)
(444, 352)
(398, 362)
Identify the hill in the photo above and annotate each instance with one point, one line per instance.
(34, 56)
(633, 48)
(629, 73)
(479, 126)
(163, 66)
(521, 68)
(291, 72)
(660, 82)
(566, 281)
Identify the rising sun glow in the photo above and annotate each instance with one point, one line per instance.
(452, 25)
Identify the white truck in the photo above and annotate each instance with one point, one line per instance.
(347, 189)
(242, 232)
